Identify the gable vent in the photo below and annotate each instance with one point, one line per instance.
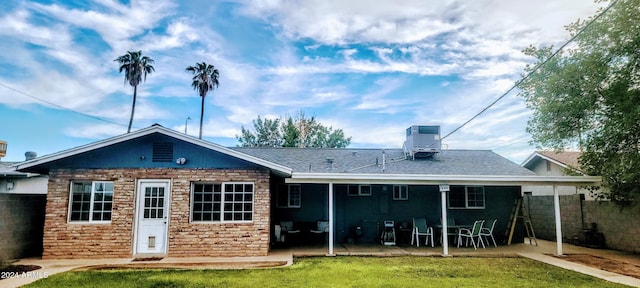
(162, 152)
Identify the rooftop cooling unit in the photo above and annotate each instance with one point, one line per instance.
(422, 141)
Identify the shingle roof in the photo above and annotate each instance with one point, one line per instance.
(7, 169)
(447, 162)
(566, 157)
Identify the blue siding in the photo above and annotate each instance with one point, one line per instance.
(137, 153)
(369, 212)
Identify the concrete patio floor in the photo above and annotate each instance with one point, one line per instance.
(284, 256)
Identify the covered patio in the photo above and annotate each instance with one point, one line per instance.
(435, 204)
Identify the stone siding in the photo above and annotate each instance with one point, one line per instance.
(73, 240)
(21, 222)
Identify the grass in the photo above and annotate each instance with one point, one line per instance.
(345, 272)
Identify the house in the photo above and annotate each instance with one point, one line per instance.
(157, 192)
(22, 203)
(551, 163)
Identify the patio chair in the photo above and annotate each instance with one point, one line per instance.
(488, 231)
(420, 228)
(321, 231)
(472, 233)
(287, 228)
(321, 227)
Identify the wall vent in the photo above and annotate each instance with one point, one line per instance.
(422, 141)
(162, 152)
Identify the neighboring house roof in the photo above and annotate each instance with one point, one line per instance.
(565, 159)
(277, 168)
(7, 169)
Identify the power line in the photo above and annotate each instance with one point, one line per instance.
(515, 85)
(59, 106)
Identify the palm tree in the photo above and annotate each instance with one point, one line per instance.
(205, 77)
(135, 67)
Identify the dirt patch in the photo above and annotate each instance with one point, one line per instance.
(605, 264)
(198, 266)
(147, 259)
(15, 270)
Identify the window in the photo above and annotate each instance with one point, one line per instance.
(225, 202)
(289, 196)
(400, 192)
(359, 190)
(466, 197)
(91, 201)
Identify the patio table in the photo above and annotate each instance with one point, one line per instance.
(454, 227)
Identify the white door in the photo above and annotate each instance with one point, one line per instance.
(152, 217)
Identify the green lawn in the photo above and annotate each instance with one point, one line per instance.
(345, 272)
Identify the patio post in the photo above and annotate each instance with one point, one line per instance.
(445, 237)
(556, 206)
(331, 222)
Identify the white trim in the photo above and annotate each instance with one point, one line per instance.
(556, 210)
(430, 179)
(331, 220)
(147, 131)
(222, 202)
(543, 157)
(466, 199)
(281, 190)
(138, 212)
(443, 221)
(400, 189)
(91, 203)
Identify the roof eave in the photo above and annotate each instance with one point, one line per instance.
(428, 179)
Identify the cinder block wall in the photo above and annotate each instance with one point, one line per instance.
(542, 216)
(541, 212)
(21, 224)
(620, 226)
(64, 240)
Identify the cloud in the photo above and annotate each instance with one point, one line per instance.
(95, 131)
(116, 24)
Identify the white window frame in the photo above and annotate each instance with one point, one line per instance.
(402, 192)
(466, 198)
(223, 201)
(363, 190)
(91, 202)
(290, 194)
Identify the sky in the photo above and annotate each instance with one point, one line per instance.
(370, 68)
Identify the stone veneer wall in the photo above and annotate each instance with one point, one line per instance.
(21, 222)
(72, 240)
(620, 226)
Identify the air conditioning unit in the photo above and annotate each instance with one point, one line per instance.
(422, 141)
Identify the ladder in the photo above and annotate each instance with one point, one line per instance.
(519, 211)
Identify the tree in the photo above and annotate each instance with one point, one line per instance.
(589, 95)
(267, 134)
(135, 67)
(205, 79)
(301, 132)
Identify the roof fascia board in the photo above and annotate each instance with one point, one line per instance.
(536, 154)
(350, 178)
(146, 131)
